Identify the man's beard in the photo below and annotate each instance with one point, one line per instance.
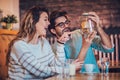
(67, 29)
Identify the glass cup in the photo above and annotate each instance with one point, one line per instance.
(72, 70)
(105, 62)
(87, 25)
(64, 72)
(89, 68)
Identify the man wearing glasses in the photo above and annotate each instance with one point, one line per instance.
(78, 47)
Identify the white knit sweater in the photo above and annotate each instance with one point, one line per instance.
(28, 61)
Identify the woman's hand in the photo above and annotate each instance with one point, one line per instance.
(78, 64)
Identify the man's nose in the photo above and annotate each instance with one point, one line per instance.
(65, 25)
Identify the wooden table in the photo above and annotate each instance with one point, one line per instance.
(113, 75)
(79, 76)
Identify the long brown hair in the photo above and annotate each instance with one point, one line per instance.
(27, 28)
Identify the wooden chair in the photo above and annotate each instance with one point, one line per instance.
(114, 56)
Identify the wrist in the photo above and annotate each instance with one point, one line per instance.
(99, 30)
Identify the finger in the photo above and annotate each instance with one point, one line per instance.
(94, 19)
(76, 60)
(63, 36)
(68, 33)
(93, 13)
(93, 35)
(64, 39)
(89, 35)
(81, 62)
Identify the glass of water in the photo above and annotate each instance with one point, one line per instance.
(72, 70)
(64, 72)
(105, 62)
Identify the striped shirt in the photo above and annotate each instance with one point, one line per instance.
(28, 61)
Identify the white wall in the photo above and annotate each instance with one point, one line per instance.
(10, 7)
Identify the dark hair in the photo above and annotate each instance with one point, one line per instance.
(53, 16)
(27, 27)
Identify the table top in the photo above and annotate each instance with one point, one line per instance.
(99, 76)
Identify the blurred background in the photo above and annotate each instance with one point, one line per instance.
(108, 10)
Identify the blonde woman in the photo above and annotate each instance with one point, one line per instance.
(30, 55)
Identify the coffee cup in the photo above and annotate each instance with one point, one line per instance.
(89, 68)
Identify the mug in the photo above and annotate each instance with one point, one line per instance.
(89, 68)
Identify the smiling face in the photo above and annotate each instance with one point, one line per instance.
(42, 24)
(61, 26)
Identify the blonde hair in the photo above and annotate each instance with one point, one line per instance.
(27, 26)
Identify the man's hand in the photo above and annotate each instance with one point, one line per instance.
(64, 38)
(86, 42)
(95, 18)
(104, 37)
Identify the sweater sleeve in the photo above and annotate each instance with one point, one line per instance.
(31, 64)
(97, 44)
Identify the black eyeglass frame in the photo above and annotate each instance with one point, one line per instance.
(62, 24)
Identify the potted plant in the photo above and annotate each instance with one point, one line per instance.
(7, 21)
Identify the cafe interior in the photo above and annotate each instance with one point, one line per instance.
(107, 10)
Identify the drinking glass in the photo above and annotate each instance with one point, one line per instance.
(102, 65)
(87, 24)
(64, 73)
(66, 70)
(105, 62)
(72, 70)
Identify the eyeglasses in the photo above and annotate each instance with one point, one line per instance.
(62, 24)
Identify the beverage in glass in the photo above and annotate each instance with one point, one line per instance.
(105, 62)
(86, 23)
